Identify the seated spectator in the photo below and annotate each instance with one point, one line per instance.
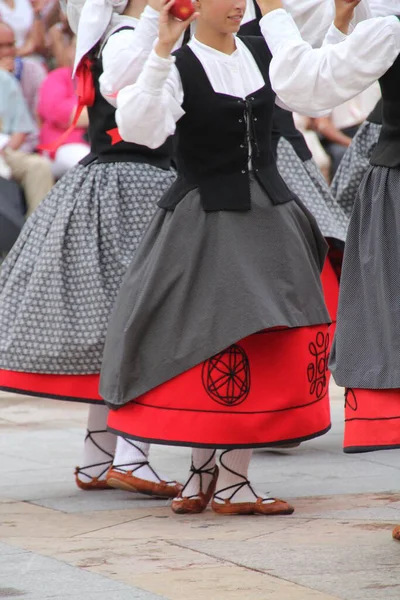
(30, 73)
(31, 171)
(24, 16)
(56, 109)
(61, 41)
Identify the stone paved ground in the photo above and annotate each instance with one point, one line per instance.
(57, 542)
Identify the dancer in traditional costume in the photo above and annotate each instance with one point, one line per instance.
(59, 282)
(294, 159)
(356, 162)
(219, 336)
(366, 353)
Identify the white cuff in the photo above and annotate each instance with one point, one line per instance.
(155, 73)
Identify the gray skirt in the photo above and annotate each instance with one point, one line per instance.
(366, 349)
(307, 182)
(353, 166)
(200, 281)
(60, 280)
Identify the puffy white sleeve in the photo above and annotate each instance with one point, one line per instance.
(147, 112)
(314, 17)
(125, 54)
(310, 80)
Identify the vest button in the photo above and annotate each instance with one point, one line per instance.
(244, 171)
(242, 145)
(255, 118)
(240, 120)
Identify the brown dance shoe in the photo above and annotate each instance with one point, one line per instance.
(396, 533)
(185, 505)
(128, 482)
(93, 483)
(259, 507)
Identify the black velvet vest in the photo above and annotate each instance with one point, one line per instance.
(387, 150)
(102, 119)
(283, 123)
(212, 139)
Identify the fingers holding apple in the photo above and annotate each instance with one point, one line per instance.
(172, 24)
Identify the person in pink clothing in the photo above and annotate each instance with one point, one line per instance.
(56, 110)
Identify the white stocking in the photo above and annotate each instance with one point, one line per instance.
(99, 447)
(133, 456)
(201, 472)
(233, 482)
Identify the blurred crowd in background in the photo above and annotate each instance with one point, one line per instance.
(37, 101)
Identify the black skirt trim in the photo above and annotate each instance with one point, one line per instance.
(227, 446)
(50, 396)
(364, 449)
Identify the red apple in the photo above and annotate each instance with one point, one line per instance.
(182, 9)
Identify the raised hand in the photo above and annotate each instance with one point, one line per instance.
(170, 29)
(345, 13)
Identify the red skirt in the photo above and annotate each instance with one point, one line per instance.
(271, 387)
(372, 420)
(76, 388)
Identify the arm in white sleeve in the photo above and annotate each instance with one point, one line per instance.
(125, 54)
(311, 80)
(147, 112)
(314, 17)
(334, 36)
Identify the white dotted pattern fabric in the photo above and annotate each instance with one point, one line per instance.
(59, 282)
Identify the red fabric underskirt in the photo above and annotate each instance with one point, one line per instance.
(269, 387)
(78, 388)
(330, 286)
(372, 420)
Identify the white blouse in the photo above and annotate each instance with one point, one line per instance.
(147, 111)
(125, 52)
(313, 17)
(383, 8)
(309, 80)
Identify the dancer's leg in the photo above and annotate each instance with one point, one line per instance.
(132, 471)
(98, 450)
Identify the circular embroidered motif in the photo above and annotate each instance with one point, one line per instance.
(226, 376)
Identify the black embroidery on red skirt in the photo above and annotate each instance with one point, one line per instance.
(350, 399)
(226, 376)
(317, 370)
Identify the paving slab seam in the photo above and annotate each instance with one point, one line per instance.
(246, 567)
(303, 521)
(108, 526)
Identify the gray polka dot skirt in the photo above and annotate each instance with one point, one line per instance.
(366, 349)
(59, 282)
(307, 182)
(354, 165)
